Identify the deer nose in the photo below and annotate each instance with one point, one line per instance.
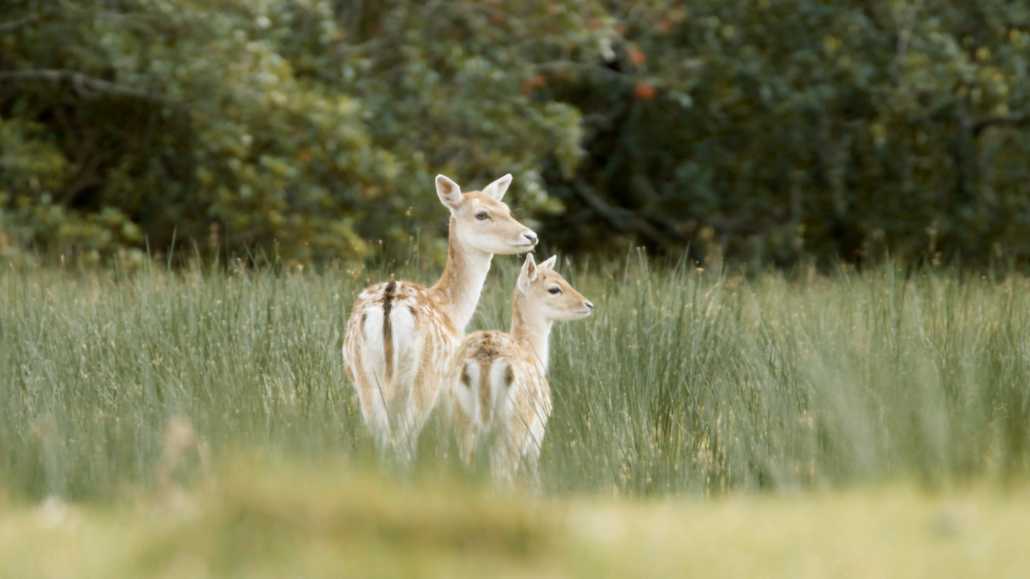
(530, 236)
(589, 305)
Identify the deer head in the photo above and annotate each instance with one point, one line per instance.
(547, 295)
(479, 220)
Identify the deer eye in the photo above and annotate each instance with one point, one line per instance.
(555, 290)
(482, 215)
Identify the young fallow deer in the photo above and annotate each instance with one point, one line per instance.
(401, 336)
(496, 388)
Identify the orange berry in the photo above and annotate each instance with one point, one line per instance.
(644, 91)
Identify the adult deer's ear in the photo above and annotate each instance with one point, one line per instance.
(498, 187)
(549, 263)
(528, 274)
(449, 192)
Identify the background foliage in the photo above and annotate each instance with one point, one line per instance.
(761, 131)
(836, 128)
(314, 124)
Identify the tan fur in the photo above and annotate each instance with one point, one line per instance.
(513, 427)
(397, 373)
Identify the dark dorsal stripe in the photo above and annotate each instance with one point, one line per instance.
(387, 332)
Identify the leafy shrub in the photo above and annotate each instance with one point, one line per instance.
(760, 131)
(767, 129)
(312, 124)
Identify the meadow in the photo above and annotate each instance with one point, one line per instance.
(688, 396)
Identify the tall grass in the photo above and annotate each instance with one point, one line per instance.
(681, 382)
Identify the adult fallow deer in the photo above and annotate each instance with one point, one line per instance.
(401, 336)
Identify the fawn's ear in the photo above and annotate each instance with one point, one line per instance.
(449, 192)
(549, 263)
(528, 274)
(498, 187)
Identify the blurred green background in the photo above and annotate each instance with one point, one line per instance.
(761, 132)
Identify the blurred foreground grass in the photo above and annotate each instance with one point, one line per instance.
(278, 520)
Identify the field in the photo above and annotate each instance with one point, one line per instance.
(872, 423)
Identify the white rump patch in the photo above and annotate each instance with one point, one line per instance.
(406, 356)
(371, 349)
(502, 396)
(468, 396)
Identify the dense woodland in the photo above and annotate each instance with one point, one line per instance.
(760, 131)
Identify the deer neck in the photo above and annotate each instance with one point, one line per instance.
(531, 331)
(462, 279)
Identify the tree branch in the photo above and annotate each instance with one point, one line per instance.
(84, 85)
(1013, 119)
(68, 11)
(560, 64)
(620, 218)
(16, 24)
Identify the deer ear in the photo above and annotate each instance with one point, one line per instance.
(498, 187)
(549, 263)
(449, 192)
(528, 274)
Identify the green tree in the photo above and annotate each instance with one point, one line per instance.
(315, 125)
(767, 129)
(757, 130)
